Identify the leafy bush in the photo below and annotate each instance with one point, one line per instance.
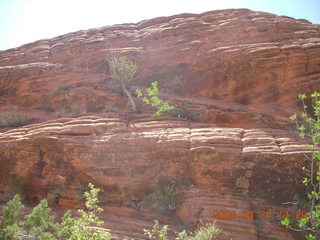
(207, 232)
(39, 225)
(152, 98)
(310, 128)
(13, 119)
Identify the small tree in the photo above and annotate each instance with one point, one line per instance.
(37, 225)
(123, 71)
(310, 128)
(152, 98)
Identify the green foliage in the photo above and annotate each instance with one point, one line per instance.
(152, 98)
(81, 228)
(13, 119)
(39, 225)
(36, 225)
(9, 223)
(207, 232)
(309, 129)
(157, 232)
(164, 196)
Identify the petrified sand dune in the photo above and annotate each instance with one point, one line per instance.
(237, 70)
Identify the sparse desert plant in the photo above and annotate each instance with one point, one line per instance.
(157, 232)
(183, 112)
(163, 196)
(55, 191)
(74, 109)
(123, 70)
(13, 119)
(62, 88)
(208, 232)
(242, 109)
(152, 98)
(14, 186)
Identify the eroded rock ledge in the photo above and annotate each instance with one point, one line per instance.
(215, 165)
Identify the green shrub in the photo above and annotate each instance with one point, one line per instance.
(152, 98)
(9, 222)
(39, 225)
(13, 119)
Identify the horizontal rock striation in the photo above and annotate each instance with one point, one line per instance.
(237, 72)
(126, 157)
(232, 55)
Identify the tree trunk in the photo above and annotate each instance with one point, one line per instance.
(128, 93)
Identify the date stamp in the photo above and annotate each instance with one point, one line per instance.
(262, 215)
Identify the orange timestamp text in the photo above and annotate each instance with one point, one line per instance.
(263, 214)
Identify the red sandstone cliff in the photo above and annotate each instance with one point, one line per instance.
(239, 70)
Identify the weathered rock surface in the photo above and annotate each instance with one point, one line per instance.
(126, 157)
(237, 70)
(255, 63)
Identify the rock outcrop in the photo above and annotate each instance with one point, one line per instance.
(237, 71)
(251, 61)
(215, 167)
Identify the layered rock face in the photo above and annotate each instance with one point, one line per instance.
(245, 59)
(238, 71)
(215, 167)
